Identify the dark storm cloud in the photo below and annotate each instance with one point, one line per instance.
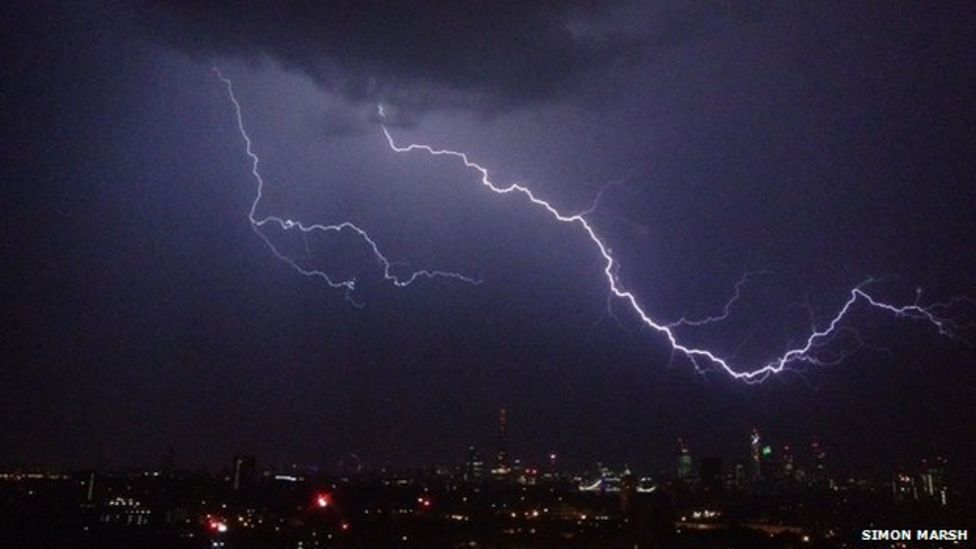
(485, 56)
(336, 123)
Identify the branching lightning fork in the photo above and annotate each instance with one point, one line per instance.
(287, 224)
(726, 310)
(699, 357)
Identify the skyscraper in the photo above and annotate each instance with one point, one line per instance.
(244, 471)
(502, 465)
(934, 480)
(474, 467)
(904, 487)
(740, 476)
(788, 464)
(684, 461)
(767, 466)
(819, 473)
(628, 492)
(755, 445)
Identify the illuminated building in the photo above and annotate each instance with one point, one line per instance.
(684, 461)
(755, 446)
(934, 481)
(628, 492)
(788, 463)
(819, 473)
(767, 463)
(474, 467)
(740, 476)
(124, 511)
(90, 491)
(904, 488)
(243, 473)
(502, 466)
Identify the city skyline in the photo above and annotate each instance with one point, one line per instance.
(763, 500)
(758, 459)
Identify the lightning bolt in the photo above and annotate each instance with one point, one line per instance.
(699, 357)
(726, 310)
(286, 224)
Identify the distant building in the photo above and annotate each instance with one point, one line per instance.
(685, 466)
(819, 472)
(740, 475)
(755, 447)
(90, 488)
(628, 492)
(904, 488)
(502, 465)
(124, 511)
(710, 473)
(787, 464)
(474, 466)
(767, 463)
(553, 469)
(243, 474)
(934, 480)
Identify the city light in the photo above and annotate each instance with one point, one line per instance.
(322, 501)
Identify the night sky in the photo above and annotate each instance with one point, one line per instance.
(823, 144)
